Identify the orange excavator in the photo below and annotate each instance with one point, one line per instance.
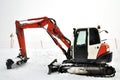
(87, 56)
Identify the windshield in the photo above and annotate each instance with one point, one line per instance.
(81, 39)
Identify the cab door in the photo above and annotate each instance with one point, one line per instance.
(94, 43)
(80, 46)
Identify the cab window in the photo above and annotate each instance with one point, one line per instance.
(94, 36)
(81, 39)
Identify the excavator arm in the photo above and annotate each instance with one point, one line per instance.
(46, 23)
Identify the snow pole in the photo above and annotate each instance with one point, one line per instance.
(116, 43)
(11, 40)
(41, 43)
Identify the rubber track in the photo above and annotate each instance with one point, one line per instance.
(104, 69)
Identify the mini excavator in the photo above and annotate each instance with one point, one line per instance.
(87, 56)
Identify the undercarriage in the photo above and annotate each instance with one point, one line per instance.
(68, 66)
(89, 69)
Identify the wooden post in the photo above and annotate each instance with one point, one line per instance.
(11, 40)
(41, 43)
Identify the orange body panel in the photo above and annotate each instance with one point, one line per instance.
(103, 49)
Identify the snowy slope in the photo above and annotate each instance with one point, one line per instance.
(36, 67)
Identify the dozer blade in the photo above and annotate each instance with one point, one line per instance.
(53, 68)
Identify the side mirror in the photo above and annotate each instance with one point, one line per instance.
(104, 31)
(98, 27)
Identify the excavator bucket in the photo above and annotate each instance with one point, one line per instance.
(12, 64)
(9, 63)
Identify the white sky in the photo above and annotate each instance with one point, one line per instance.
(67, 13)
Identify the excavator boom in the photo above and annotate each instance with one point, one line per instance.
(46, 23)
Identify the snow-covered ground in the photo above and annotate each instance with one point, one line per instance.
(36, 67)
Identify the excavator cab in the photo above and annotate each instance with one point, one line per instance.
(88, 47)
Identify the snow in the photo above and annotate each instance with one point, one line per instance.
(36, 67)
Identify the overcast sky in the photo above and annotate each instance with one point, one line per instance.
(67, 13)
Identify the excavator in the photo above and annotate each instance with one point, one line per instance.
(88, 55)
